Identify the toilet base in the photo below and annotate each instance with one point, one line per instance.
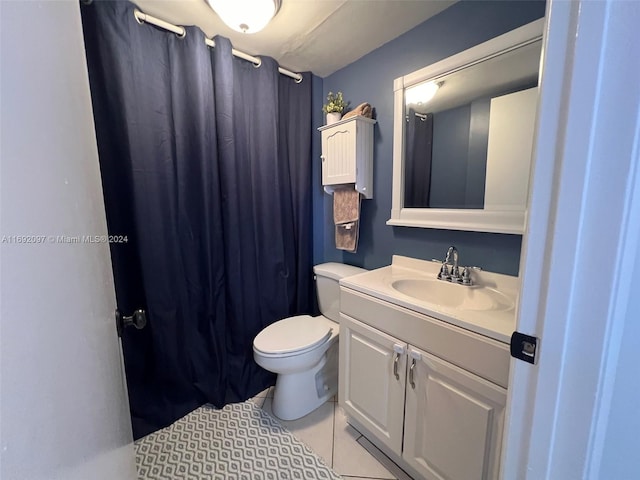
(298, 394)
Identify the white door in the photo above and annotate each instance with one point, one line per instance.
(64, 406)
(453, 421)
(372, 380)
(577, 263)
(339, 154)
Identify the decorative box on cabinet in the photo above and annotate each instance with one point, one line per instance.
(347, 154)
(435, 419)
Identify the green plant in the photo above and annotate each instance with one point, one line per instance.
(335, 103)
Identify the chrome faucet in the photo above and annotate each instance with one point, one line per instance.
(455, 272)
(445, 273)
(453, 275)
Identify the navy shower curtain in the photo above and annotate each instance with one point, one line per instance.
(205, 162)
(419, 141)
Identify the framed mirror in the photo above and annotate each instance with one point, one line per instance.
(463, 136)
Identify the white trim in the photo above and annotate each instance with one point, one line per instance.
(625, 285)
(578, 233)
(495, 221)
(522, 381)
(358, 118)
(511, 40)
(397, 190)
(450, 219)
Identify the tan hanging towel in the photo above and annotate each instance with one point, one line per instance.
(347, 236)
(346, 204)
(346, 216)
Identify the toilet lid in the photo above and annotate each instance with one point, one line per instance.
(293, 334)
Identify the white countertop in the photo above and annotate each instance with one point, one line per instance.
(496, 324)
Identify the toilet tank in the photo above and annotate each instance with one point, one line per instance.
(328, 289)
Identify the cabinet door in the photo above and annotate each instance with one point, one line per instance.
(453, 420)
(372, 380)
(339, 154)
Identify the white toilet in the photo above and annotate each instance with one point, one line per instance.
(303, 350)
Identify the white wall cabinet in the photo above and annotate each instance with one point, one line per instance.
(347, 154)
(437, 420)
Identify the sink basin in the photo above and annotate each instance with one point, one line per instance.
(488, 307)
(451, 295)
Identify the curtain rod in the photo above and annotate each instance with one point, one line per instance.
(181, 32)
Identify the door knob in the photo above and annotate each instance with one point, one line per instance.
(138, 320)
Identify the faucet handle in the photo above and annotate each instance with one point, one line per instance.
(455, 274)
(444, 272)
(466, 276)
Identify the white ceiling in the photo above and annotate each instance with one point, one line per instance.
(317, 35)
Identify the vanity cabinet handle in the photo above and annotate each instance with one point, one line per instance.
(399, 349)
(395, 366)
(411, 381)
(414, 356)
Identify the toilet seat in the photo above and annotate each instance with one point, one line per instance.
(293, 336)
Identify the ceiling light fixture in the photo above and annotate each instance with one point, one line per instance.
(246, 16)
(422, 93)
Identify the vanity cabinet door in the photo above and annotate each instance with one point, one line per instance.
(453, 420)
(372, 380)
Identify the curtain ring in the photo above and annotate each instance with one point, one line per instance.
(183, 34)
(257, 65)
(299, 79)
(138, 16)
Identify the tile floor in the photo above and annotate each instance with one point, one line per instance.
(342, 447)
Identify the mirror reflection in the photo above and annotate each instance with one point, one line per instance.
(468, 134)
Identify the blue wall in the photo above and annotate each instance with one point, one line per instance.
(370, 79)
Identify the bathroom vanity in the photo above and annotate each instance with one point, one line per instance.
(424, 366)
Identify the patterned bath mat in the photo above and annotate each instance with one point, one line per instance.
(239, 441)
